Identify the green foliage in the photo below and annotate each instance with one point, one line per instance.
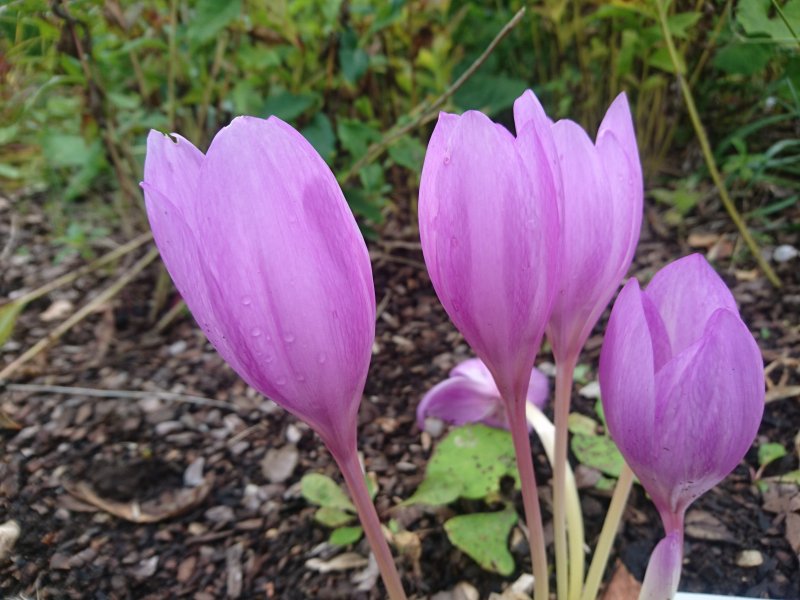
(592, 446)
(8, 319)
(74, 119)
(484, 538)
(468, 463)
(335, 508)
(770, 452)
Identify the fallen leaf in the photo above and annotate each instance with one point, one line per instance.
(623, 585)
(7, 422)
(152, 511)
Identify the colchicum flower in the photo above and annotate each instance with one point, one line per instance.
(261, 244)
(682, 384)
(470, 395)
(488, 224)
(599, 190)
(488, 220)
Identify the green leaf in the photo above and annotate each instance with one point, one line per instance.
(211, 17)
(742, 59)
(489, 93)
(320, 133)
(436, 491)
(408, 152)
(356, 135)
(770, 452)
(468, 463)
(680, 24)
(598, 452)
(353, 60)
(581, 424)
(286, 105)
(65, 150)
(484, 538)
(321, 490)
(8, 318)
(333, 517)
(344, 536)
(754, 17)
(601, 413)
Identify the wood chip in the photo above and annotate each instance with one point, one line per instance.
(9, 534)
(342, 562)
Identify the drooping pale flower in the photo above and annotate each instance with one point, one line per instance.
(489, 229)
(599, 188)
(682, 384)
(262, 246)
(470, 395)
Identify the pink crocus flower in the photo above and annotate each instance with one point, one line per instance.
(261, 244)
(599, 191)
(470, 395)
(488, 221)
(682, 383)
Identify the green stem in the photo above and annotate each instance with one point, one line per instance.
(564, 374)
(705, 145)
(530, 497)
(610, 526)
(575, 535)
(354, 478)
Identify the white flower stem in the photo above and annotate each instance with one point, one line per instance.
(610, 526)
(575, 536)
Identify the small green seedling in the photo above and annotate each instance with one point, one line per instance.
(335, 508)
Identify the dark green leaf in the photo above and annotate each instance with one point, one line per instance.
(321, 135)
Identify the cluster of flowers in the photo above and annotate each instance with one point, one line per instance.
(522, 235)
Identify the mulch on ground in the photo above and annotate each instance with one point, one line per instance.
(219, 478)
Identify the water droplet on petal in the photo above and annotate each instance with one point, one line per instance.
(321, 358)
(288, 338)
(247, 300)
(280, 381)
(300, 377)
(256, 332)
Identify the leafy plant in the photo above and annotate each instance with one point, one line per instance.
(335, 508)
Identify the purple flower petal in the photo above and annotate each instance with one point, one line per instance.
(686, 292)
